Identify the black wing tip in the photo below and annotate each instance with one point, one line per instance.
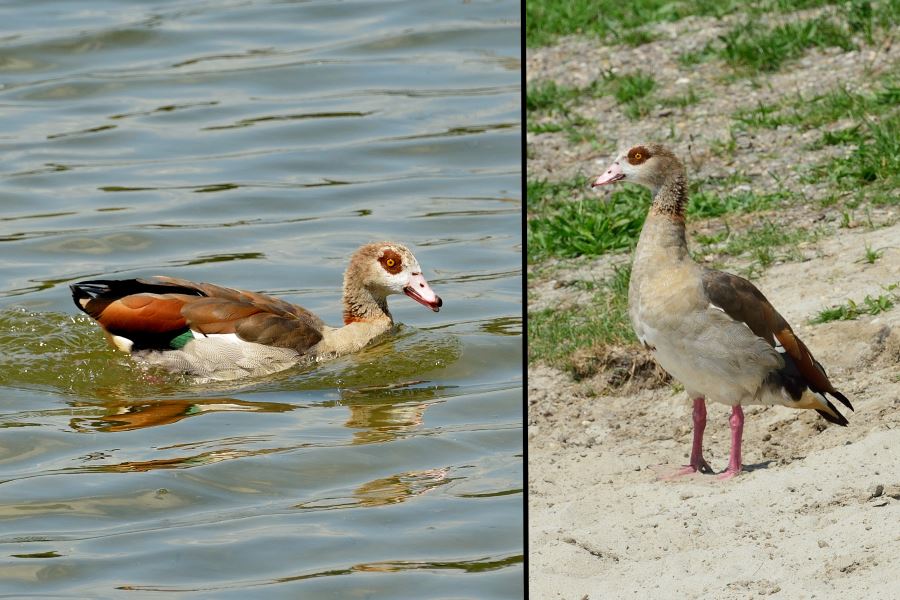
(119, 288)
(842, 398)
(90, 289)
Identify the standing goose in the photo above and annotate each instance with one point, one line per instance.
(222, 333)
(712, 331)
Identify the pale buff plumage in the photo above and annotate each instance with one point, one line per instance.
(713, 331)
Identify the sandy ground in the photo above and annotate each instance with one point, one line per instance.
(816, 514)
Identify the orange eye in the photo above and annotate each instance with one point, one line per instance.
(389, 262)
(637, 156)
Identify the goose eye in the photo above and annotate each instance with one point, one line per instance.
(391, 262)
(638, 156)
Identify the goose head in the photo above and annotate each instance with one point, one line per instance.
(649, 165)
(386, 268)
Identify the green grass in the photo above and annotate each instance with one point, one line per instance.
(756, 47)
(814, 112)
(546, 20)
(630, 90)
(550, 97)
(753, 47)
(565, 221)
(705, 204)
(763, 244)
(872, 254)
(577, 128)
(876, 158)
(632, 87)
(870, 305)
(765, 116)
(564, 227)
(873, 165)
(636, 37)
(682, 100)
(553, 335)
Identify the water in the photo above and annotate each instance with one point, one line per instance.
(257, 144)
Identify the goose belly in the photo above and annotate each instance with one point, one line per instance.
(709, 367)
(221, 358)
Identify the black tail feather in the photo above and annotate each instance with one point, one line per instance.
(842, 398)
(89, 290)
(119, 288)
(837, 420)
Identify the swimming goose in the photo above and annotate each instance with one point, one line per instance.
(222, 333)
(712, 331)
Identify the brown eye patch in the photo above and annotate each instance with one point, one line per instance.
(638, 155)
(391, 262)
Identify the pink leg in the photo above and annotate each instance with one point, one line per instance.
(737, 431)
(697, 461)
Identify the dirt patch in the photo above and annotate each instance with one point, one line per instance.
(611, 367)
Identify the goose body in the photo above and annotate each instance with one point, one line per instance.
(217, 332)
(714, 332)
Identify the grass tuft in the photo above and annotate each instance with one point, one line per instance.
(756, 47)
(812, 113)
(872, 254)
(876, 158)
(632, 87)
(547, 20)
(565, 228)
(681, 101)
(548, 96)
(630, 90)
(704, 205)
(763, 244)
(555, 334)
(637, 37)
(871, 305)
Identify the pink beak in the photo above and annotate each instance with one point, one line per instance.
(419, 290)
(613, 173)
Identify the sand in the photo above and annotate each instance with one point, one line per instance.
(815, 514)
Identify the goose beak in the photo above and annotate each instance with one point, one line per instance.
(613, 173)
(419, 290)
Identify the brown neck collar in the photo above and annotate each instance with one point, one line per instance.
(671, 198)
(361, 305)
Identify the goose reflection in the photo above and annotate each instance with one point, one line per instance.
(393, 489)
(126, 416)
(384, 413)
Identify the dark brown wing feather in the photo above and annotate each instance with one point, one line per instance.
(743, 302)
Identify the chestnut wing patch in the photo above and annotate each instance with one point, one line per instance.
(145, 311)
